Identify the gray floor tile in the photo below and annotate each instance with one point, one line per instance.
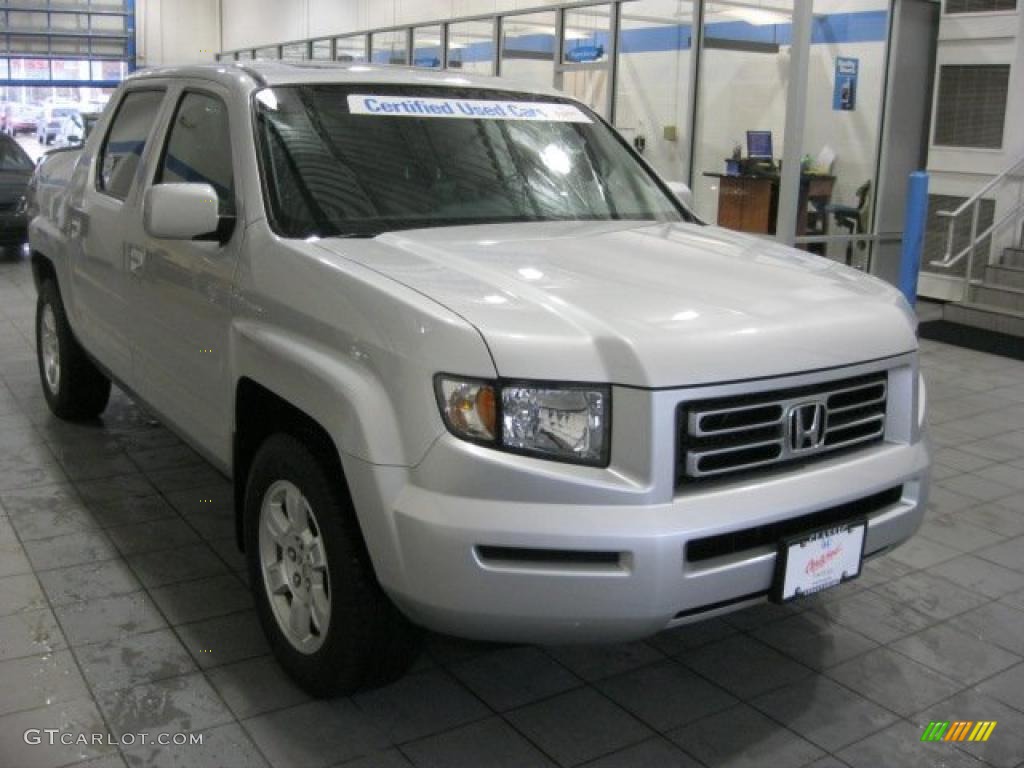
(315, 735)
(190, 601)
(70, 549)
(489, 742)
(255, 686)
(901, 745)
(578, 726)
(388, 758)
(419, 705)
(920, 552)
(224, 746)
(594, 662)
(997, 623)
(153, 536)
(170, 566)
(958, 655)
(1009, 553)
(672, 642)
(79, 716)
(109, 618)
(119, 488)
(824, 712)
(173, 479)
(1005, 747)
(742, 737)
(894, 681)
(511, 677)
(980, 488)
(981, 576)
(32, 682)
(177, 704)
(1007, 686)
(88, 582)
(653, 753)
(954, 532)
(995, 517)
(763, 613)
(27, 467)
(930, 595)
(745, 667)
(20, 593)
(134, 660)
(665, 695)
(30, 633)
(13, 560)
(814, 640)
(116, 512)
(224, 639)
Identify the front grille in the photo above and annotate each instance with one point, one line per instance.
(771, 534)
(721, 437)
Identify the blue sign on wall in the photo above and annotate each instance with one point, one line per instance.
(583, 53)
(844, 96)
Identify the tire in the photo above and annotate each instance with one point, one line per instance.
(75, 388)
(363, 641)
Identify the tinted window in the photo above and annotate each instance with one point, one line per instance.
(126, 141)
(199, 148)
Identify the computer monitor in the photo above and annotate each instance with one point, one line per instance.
(759, 145)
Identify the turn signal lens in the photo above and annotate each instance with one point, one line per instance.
(469, 408)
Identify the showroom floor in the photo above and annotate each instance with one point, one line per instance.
(123, 610)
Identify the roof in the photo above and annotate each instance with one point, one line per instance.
(271, 73)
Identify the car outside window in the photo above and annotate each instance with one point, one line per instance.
(199, 148)
(328, 170)
(126, 141)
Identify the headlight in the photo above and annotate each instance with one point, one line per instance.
(562, 422)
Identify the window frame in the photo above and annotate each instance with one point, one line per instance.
(101, 155)
(187, 91)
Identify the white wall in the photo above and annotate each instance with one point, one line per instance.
(172, 32)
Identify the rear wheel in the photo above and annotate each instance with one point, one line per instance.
(74, 387)
(327, 619)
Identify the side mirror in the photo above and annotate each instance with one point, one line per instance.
(180, 211)
(683, 192)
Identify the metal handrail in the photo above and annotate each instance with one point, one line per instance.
(949, 259)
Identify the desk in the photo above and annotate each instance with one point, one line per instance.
(751, 203)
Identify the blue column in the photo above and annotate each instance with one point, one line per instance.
(914, 221)
(129, 22)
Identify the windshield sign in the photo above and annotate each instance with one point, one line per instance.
(471, 109)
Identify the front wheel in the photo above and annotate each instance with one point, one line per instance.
(74, 387)
(328, 621)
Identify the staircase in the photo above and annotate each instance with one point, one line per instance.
(996, 302)
(993, 294)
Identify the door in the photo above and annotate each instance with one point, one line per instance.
(184, 297)
(98, 248)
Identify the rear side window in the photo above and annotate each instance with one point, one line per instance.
(199, 148)
(126, 141)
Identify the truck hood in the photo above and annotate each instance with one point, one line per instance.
(647, 305)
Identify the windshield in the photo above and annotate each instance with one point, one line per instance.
(359, 160)
(13, 157)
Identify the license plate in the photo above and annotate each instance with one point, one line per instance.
(814, 561)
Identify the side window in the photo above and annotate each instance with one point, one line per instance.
(199, 148)
(126, 141)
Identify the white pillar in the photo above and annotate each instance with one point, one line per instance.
(796, 112)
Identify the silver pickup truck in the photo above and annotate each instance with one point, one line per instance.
(472, 365)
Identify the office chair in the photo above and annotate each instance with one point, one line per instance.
(852, 219)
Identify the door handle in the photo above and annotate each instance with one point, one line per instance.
(136, 259)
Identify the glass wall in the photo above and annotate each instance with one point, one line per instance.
(351, 48)
(652, 97)
(471, 47)
(528, 48)
(321, 50)
(426, 47)
(741, 94)
(390, 47)
(295, 52)
(584, 68)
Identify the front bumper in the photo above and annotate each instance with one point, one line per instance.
(456, 543)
